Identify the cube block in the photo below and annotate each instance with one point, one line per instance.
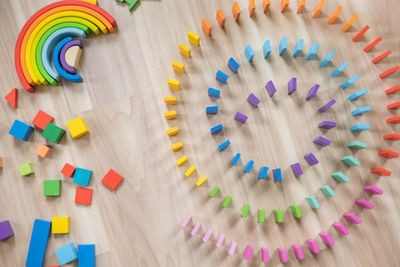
(6, 230)
(68, 170)
(26, 169)
(66, 253)
(41, 119)
(112, 179)
(60, 225)
(21, 130)
(83, 196)
(42, 150)
(82, 176)
(77, 127)
(52, 188)
(53, 133)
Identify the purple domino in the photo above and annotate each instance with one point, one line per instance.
(326, 237)
(6, 230)
(321, 141)
(292, 86)
(296, 169)
(311, 159)
(340, 228)
(327, 105)
(253, 100)
(312, 245)
(327, 124)
(313, 92)
(372, 189)
(240, 117)
(363, 203)
(270, 87)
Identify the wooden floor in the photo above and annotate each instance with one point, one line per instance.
(121, 99)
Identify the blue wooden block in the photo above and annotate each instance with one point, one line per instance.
(216, 129)
(312, 51)
(86, 255)
(223, 145)
(38, 243)
(361, 110)
(249, 53)
(298, 47)
(66, 253)
(327, 59)
(233, 65)
(358, 94)
(350, 81)
(21, 130)
(213, 92)
(212, 110)
(262, 174)
(359, 127)
(277, 174)
(313, 202)
(283, 46)
(340, 69)
(82, 176)
(236, 159)
(266, 49)
(222, 77)
(249, 166)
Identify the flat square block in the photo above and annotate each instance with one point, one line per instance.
(340, 177)
(41, 119)
(26, 169)
(321, 141)
(253, 100)
(240, 117)
(77, 127)
(213, 92)
(311, 159)
(82, 176)
(38, 244)
(327, 124)
(60, 225)
(312, 92)
(296, 169)
(68, 170)
(112, 179)
(270, 87)
(53, 133)
(66, 253)
(249, 53)
(42, 151)
(86, 255)
(277, 175)
(83, 196)
(52, 188)
(327, 191)
(222, 77)
(350, 161)
(6, 230)
(233, 65)
(21, 130)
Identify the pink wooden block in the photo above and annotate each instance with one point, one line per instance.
(196, 228)
(298, 252)
(207, 235)
(232, 248)
(351, 217)
(372, 189)
(340, 228)
(186, 221)
(282, 255)
(220, 240)
(363, 203)
(248, 252)
(264, 255)
(313, 246)
(326, 237)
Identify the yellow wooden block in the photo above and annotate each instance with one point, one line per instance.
(170, 100)
(174, 84)
(201, 180)
(177, 146)
(184, 50)
(77, 127)
(170, 115)
(190, 171)
(182, 160)
(60, 225)
(178, 67)
(173, 131)
(194, 38)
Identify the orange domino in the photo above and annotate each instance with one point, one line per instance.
(206, 26)
(371, 45)
(266, 4)
(236, 11)
(381, 172)
(361, 33)
(392, 137)
(284, 5)
(394, 105)
(394, 119)
(318, 9)
(389, 71)
(221, 18)
(381, 56)
(335, 15)
(349, 23)
(300, 7)
(392, 90)
(252, 7)
(388, 153)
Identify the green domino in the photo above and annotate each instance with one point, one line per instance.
(350, 161)
(245, 210)
(26, 169)
(214, 191)
(296, 211)
(340, 177)
(313, 202)
(261, 216)
(357, 145)
(328, 191)
(53, 133)
(278, 216)
(52, 188)
(227, 201)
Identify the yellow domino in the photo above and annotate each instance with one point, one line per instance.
(170, 115)
(194, 38)
(178, 67)
(177, 146)
(170, 100)
(201, 180)
(190, 171)
(174, 84)
(184, 50)
(173, 131)
(182, 160)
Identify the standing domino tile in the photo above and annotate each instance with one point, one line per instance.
(292, 85)
(311, 159)
(357, 145)
(356, 95)
(236, 11)
(327, 191)
(327, 105)
(321, 141)
(335, 15)
(261, 216)
(236, 159)
(350, 81)
(190, 171)
(373, 44)
(170, 100)
(361, 110)
(340, 228)
(194, 38)
(359, 127)
(372, 189)
(351, 217)
(253, 100)
(264, 255)
(220, 240)
(327, 59)
(270, 87)
(195, 229)
(240, 117)
(212, 110)
(318, 9)
(298, 252)
(278, 216)
(392, 137)
(349, 23)
(248, 252)
(298, 47)
(296, 212)
(227, 201)
(249, 53)
(350, 161)
(176, 146)
(220, 18)
(313, 202)
(224, 145)
(381, 56)
(389, 71)
(222, 77)
(214, 191)
(201, 181)
(340, 177)
(266, 49)
(262, 174)
(207, 235)
(363, 203)
(361, 33)
(340, 69)
(296, 169)
(326, 237)
(282, 255)
(232, 248)
(313, 92)
(186, 221)
(312, 51)
(265, 5)
(216, 129)
(313, 246)
(174, 84)
(233, 65)
(178, 67)
(249, 166)
(214, 92)
(206, 27)
(184, 50)
(283, 46)
(245, 210)
(327, 124)
(277, 175)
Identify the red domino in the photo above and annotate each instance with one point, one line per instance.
(395, 119)
(394, 105)
(374, 43)
(394, 89)
(12, 98)
(392, 137)
(361, 33)
(388, 153)
(381, 172)
(381, 56)
(389, 71)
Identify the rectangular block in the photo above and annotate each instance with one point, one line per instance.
(226, 202)
(261, 216)
(292, 85)
(267, 49)
(282, 255)
(350, 161)
(363, 203)
(373, 44)
(372, 189)
(318, 9)
(381, 172)
(270, 87)
(233, 65)
(232, 248)
(327, 124)
(249, 53)
(177, 146)
(265, 5)
(296, 169)
(278, 216)
(311, 159)
(178, 67)
(277, 174)
(313, 202)
(313, 246)
(214, 191)
(296, 212)
(173, 131)
(388, 153)
(300, 6)
(174, 84)
(312, 51)
(340, 228)
(240, 117)
(284, 5)
(195, 229)
(298, 47)
(191, 170)
(182, 160)
(356, 95)
(340, 69)
(350, 81)
(186, 221)
(361, 33)
(262, 174)
(264, 255)
(170, 100)
(236, 11)
(220, 18)
(392, 137)
(312, 92)
(395, 119)
(335, 15)
(326, 237)
(252, 7)
(340, 177)
(283, 46)
(86, 255)
(253, 100)
(327, 59)
(327, 191)
(38, 244)
(224, 145)
(359, 127)
(221, 77)
(245, 210)
(357, 145)
(392, 90)
(201, 181)
(321, 141)
(214, 92)
(349, 23)
(360, 110)
(248, 252)
(249, 166)
(194, 38)
(206, 27)
(381, 56)
(351, 217)
(327, 106)
(236, 159)
(298, 252)
(216, 129)
(212, 110)
(184, 50)
(170, 115)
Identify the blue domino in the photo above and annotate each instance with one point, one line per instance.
(38, 244)
(213, 92)
(236, 159)
(298, 47)
(233, 65)
(328, 191)
(358, 94)
(327, 59)
(340, 69)
(249, 53)
(222, 77)
(359, 127)
(277, 174)
(86, 255)
(21, 130)
(223, 145)
(216, 129)
(313, 202)
(350, 81)
(361, 110)
(212, 110)
(312, 51)
(262, 174)
(249, 166)
(283, 46)
(267, 49)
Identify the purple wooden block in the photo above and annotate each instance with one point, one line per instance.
(296, 169)
(292, 86)
(311, 159)
(6, 230)
(313, 92)
(240, 117)
(327, 124)
(321, 141)
(327, 105)
(270, 87)
(253, 100)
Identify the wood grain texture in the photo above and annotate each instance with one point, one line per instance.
(125, 79)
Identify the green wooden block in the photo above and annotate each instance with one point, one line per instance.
(328, 191)
(350, 161)
(53, 133)
(26, 169)
(278, 216)
(313, 202)
(340, 177)
(52, 188)
(261, 216)
(214, 191)
(245, 210)
(357, 145)
(296, 211)
(227, 201)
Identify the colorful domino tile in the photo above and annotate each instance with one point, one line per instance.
(340, 69)
(282, 46)
(340, 177)
(278, 216)
(216, 129)
(327, 59)
(312, 51)
(214, 92)
(240, 117)
(267, 49)
(292, 85)
(298, 47)
(233, 65)
(358, 94)
(224, 145)
(312, 92)
(212, 110)
(261, 216)
(296, 169)
(270, 87)
(221, 77)
(190, 171)
(277, 174)
(311, 159)
(262, 174)
(253, 100)
(327, 105)
(206, 27)
(235, 159)
(313, 202)
(249, 166)
(249, 53)
(321, 141)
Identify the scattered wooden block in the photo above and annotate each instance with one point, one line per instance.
(248, 252)
(236, 11)
(21, 130)
(42, 150)
(86, 255)
(206, 27)
(361, 33)
(381, 172)
(112, 179)
(68, 170)
(335, 15)
(12, 98)
(41, 119)
(66, 253)
(77, 127)
(184, 50)
(60, 225)
(349, 23)
(318, 9)
(53, 133)
(221, 18)
(340, 228)
(82, 176)
(52, 188)
(388, 153)
(170, 115)
(194, 38)
(6, 230)
(83, 196)
(38, 244)
(177, 146)
(26, 169)
(373, 44)
(170, 100)
(178, 67)
(173, 131)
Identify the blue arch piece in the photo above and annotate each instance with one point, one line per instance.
(57, 64)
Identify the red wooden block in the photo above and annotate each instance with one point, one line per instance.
(371, 45)
(392, 137)
(112, 179)
(395, 119)
(394, 105)
(68, 170)
(83, 196)
(381, 56)
(361, 33)
(41, 119)
(388, 153)
(12, 98)
(392, 90)
(381, 172)
(389, 71)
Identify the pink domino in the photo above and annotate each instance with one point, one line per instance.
(248, 252)
(351, 217)
(282, 255)
(220, 240)
(264, 255)
(363, 203)
(207, 235)
(298, 252)
(313, 246)
(196, 228)
(340, 228)
(326, 237)
(232, 248)
(186, 221)
(372, 189)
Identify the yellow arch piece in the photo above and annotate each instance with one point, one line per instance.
(94, 2)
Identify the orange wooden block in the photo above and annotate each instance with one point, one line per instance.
(388, 72)
(381, 172)
(394, 105)
(42, 150)
(266, 4)
(392, 90)
(206, 26)
(318, 9)
(1, 162)
(236, 11)
(284, 5)
(388, 153)
(349, 23)
(12, 98)
(252, 7)
(300, 7)
(371, 45)
(395, 119)
(381, 56)
(335, 15)
(221, 18)
(392, 137)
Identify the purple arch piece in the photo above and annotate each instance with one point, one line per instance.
(64, 63)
